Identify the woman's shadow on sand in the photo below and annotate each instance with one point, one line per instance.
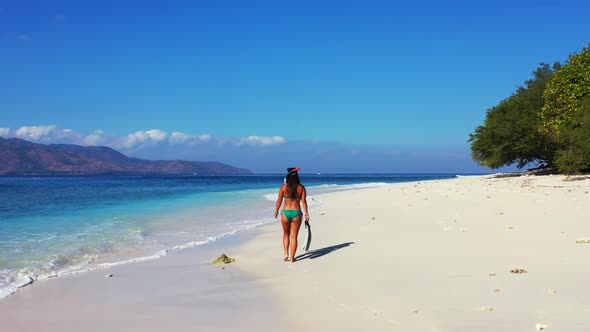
(322, 251)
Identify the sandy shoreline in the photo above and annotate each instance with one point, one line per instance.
(182, 291)
(419, 256)
(437, 255)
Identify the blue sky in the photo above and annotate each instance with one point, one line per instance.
(332, 86)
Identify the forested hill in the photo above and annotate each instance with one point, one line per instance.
(20, 157)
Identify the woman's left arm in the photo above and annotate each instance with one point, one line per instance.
(304, 202)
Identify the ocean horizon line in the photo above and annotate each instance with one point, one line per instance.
(241, 175)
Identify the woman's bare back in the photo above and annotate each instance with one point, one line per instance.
(292, 203)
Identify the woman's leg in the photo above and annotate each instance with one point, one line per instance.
(295, 225)
(286, 233)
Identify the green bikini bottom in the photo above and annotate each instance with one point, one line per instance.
(292, 214)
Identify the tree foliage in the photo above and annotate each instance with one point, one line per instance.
(574, 157)
(546, 122)
(510, 133)
(566, 113)
(565, 94)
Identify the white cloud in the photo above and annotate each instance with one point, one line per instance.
(205, 137)
(179, 138)
(34, 133)
(141, 138)
(98, 137)
(182, 138)
(263, 140)
(48, 134)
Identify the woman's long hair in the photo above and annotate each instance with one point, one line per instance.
(293, 183)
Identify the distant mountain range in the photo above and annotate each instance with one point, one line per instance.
(20, 157)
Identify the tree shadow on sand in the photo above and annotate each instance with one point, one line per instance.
(578, 178)
(322, 251)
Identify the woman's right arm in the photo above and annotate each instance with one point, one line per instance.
(279, 201)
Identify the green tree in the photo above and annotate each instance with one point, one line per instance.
(510, 133)
(566, 114)
(574, 157)
(565, 93)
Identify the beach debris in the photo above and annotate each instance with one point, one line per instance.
(497, 290)
(223, 259)
(110, 275)
(491, 275)
(490, 309)
(322, 214)
(376, 312)
(510, 227)
(373, 218)
(519, 271)
(540, 326)
(551, 290)
(583, 240)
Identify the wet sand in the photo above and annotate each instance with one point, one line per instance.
(180, 292)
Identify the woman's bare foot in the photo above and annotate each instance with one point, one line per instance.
(286, 259)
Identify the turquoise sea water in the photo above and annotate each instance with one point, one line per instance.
(56, 225)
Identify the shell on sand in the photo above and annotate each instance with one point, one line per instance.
(540, 327)
(518, 271)
(223, 259)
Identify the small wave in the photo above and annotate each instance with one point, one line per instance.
(45, 239)
(10, 282)
(210, 239)
(159, 254)
(352, 186)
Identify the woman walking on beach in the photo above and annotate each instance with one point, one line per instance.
(294, 195)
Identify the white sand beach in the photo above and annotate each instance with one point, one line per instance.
(418, 256)
(437, 255)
